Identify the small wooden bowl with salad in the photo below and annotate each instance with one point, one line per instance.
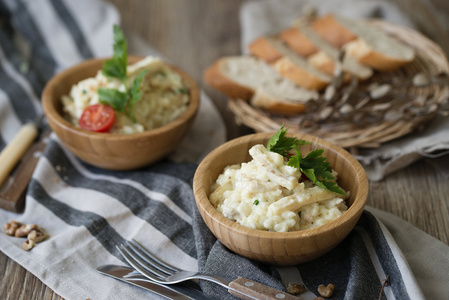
(121, 113)
(278, 198)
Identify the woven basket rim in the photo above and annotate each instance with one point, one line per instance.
(431, 61)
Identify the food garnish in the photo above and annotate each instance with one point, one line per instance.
(314, 165)
(97, 117)
(122, 101)
(281, 144)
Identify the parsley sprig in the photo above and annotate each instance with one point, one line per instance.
(281, 144)
(116, 67)
(314, 165)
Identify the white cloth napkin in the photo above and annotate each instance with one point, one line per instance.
(269, 17)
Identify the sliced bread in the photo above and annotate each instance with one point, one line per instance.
(296, 40)
(374, 47)
(332, 31)
(349, 64)
(327, 27)
(263, 49)
(251, 79)
(289, 64)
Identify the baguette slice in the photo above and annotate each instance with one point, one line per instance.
(263, 49)
(299, 43)
(251, 79)
(327, 27)
(373, 47)
(289, 64)
(329, 56)
(332, 31)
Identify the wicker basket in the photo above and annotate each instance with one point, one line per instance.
(355, 118)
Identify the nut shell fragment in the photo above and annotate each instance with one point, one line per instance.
(11, 227)
(23, 230)
(37, 235)
(28, 245)
(296, 289)
(326, 291)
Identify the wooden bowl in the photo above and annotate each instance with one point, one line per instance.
(108, 150)
(280, 248)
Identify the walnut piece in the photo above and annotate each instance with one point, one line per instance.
(326, 291)
(33, 232)
(11, 227)
(296, 289)
(28, 245)
(23, 230)
(37, 235)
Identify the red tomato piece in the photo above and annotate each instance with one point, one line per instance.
(97, 117)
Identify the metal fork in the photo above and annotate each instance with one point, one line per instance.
(161, 272)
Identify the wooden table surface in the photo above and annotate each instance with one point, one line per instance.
(194, 33)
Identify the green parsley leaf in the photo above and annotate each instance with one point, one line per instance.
(315, 166)
(256, 202)
(135, 93)
(281, 144)
(295, 160)
(116, 67)
(332, 186)
(114, 98)
(112, 68)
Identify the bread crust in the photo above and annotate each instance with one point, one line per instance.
(268, 103)
(302, 77)
(332, 31)
(214, 77)
(323, 62)
(287, 63)
(296, 40)
(217, 78)
(369, 57)
(263, 49)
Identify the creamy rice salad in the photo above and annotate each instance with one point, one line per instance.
(267, 194)
(164, 97)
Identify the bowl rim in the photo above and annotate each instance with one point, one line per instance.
(202, 200)
(53, 115)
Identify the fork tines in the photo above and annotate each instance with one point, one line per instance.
(144, 262)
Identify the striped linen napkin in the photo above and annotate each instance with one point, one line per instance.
(88, 211)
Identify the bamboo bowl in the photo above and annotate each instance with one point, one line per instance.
(108, 150)
(279, 248)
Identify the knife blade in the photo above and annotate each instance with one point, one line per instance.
(131, 276)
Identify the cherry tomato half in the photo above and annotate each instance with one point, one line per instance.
(97, 117)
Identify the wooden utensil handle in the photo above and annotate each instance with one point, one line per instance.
(257, 290)
(14, 151)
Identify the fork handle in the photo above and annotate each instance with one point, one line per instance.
(257, 290)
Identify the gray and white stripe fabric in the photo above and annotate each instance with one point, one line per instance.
(88, 211)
